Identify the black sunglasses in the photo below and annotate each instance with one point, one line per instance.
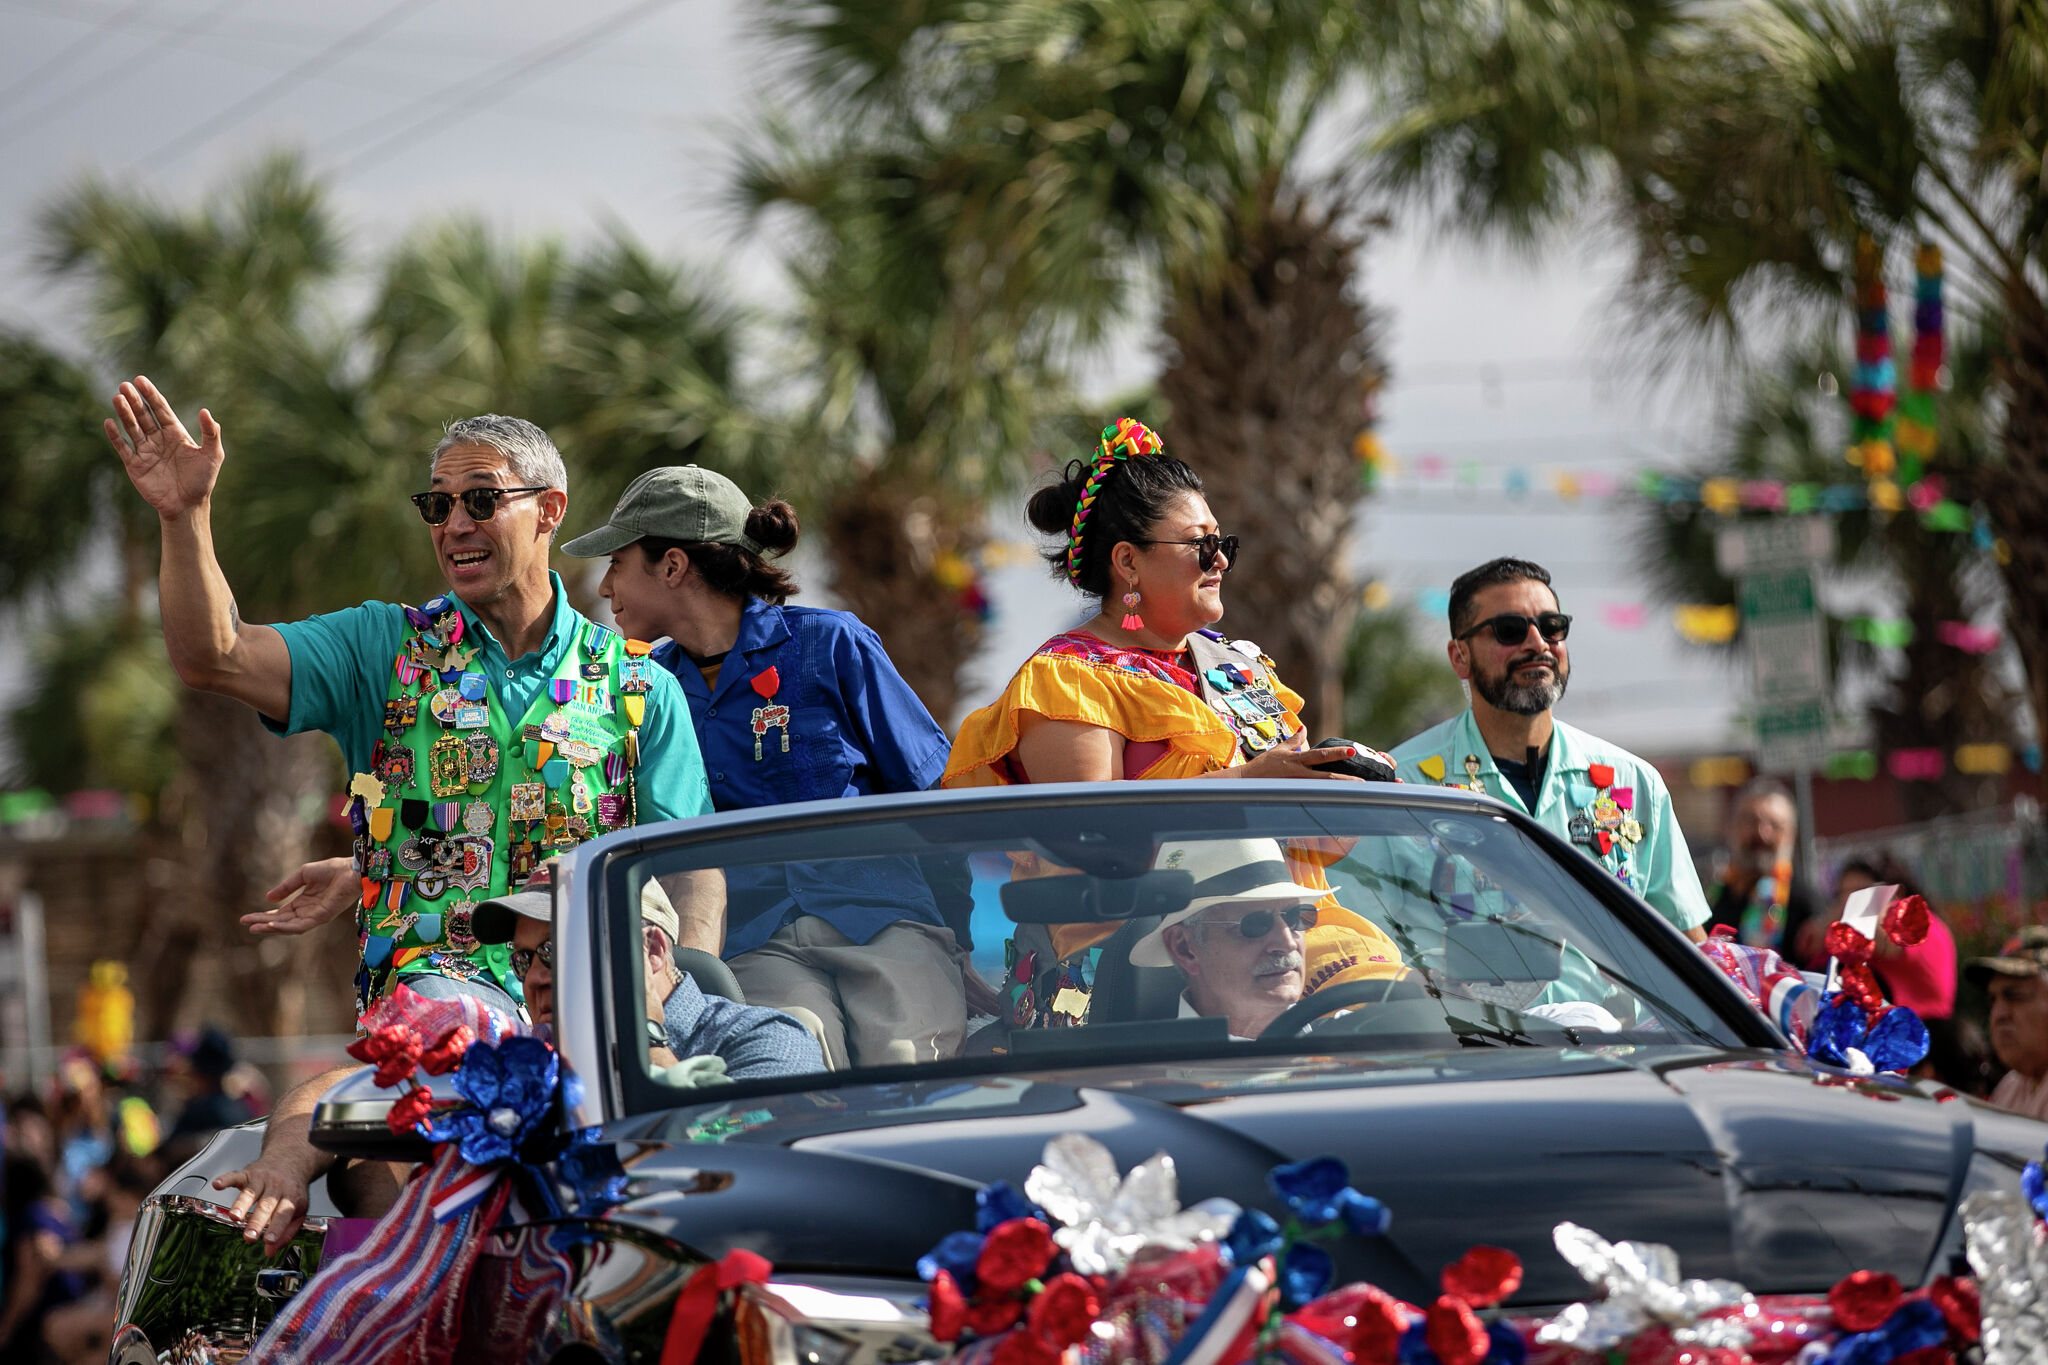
(1510, 628)
(1206, 549)
(522, 958)
(480, 503)
(1259, 923)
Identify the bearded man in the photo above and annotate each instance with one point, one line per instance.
(1508, 645)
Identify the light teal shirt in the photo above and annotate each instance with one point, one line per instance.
(341, 673)
(1659, 868)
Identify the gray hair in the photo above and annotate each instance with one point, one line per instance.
(535, 461)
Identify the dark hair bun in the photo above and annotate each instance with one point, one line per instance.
(1051, 510)
(773, 526)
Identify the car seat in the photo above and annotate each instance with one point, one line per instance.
(712, 976)
(1124, 993)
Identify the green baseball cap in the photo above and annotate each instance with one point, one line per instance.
(675, 502)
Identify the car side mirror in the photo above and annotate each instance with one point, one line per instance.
(1080, 899)
(350, 1120)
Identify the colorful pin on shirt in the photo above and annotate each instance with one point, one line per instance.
(560, 690)
(1431, 767)
(1600, 774)
(766, 683)
(635, 707)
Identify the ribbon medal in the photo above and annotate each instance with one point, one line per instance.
(448, 766)
(770, 717)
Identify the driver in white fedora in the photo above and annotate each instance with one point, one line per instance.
(1239, 941)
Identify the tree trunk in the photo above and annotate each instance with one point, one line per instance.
(2016, 491)
(1269, 373)
(894, 550)
(249, 807)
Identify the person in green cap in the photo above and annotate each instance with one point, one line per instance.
(485, 730)
(792, 704)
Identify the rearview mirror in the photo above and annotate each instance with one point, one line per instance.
(1083, 899)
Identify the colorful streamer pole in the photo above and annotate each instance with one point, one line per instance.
(1873, 392)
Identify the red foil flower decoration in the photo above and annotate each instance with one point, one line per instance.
(1848, 943)
(986, 1317)
(1863, 1299)
(1860, 984)
(1022, 1348)
(1483, 1276)
(1956, 1297)
(1905, 921)
(1455, 1332)
(410, 1110)
(1367, 1317)
(948, 1307)
(1062, 1312)
(1015, 1251)
(447, 1055)
(394, 1049)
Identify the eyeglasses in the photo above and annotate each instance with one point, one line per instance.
(480, 503)
(1259, 923)
(522, 958)
(1206, 549)
(1511, 629)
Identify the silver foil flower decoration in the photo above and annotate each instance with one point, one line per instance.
(1643, 1290)
(1103, 1221)
(2011, 1262)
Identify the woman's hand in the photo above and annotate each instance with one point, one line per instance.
(1295, 761)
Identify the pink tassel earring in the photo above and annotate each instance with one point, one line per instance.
(1132, 621)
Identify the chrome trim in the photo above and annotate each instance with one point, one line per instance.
(580, 1010)
(216, 1213)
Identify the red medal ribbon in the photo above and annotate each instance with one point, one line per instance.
(766, 682)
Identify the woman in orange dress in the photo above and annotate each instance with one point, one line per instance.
(1144, 689)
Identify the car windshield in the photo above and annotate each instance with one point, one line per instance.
(1130, 933)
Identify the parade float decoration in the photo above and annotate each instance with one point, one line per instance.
(1855, 1028)
(1084, 1268)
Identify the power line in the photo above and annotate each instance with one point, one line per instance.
(70, 50)
(469, 97)
(313, 65)
(176, 37)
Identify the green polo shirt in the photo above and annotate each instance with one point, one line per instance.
(341, 672)
(1660, 866)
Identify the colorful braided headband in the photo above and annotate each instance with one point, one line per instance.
(1127, 438)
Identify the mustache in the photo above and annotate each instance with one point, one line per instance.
(1272, 964)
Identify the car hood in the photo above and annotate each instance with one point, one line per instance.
(1755, 1167)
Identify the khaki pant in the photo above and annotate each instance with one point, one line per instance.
(896, 998)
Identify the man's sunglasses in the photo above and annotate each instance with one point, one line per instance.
(522, 958)
(480, 503)
(1511, 629)
(1259, 923)
(1206, 549)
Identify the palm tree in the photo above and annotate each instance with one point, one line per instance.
(1791, 428)
(1099, 152)
(1743, 148)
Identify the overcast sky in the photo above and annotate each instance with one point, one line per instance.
(564, 119)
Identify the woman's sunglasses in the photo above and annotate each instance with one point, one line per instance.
(1511, 629)
(1206, 549)
(480, 503)
(522, 958)
(1259, 923)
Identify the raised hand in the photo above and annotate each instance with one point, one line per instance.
(173, 473)
(307, 899)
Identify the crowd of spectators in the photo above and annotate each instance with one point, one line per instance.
(77, 1158)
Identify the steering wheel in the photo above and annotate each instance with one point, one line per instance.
(1330, 999)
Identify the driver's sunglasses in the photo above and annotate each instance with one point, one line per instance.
(480, 503)
(522, 958)
(1510, 629)
(1259, 923)
(1206, 549)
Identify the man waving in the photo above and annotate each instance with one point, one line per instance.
(486, 729)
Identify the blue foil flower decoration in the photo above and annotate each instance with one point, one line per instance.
(1897, 1041)
(1318, 1192)
(957, 1254)
(1252, 1237)
(1916, 1325)
(591, 1168)
(1000, 1202)
(510, 1089)
(1306, 1273)
(1505, 1345)
(2034, 1189)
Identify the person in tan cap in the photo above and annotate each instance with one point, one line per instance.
(2019, 1018)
